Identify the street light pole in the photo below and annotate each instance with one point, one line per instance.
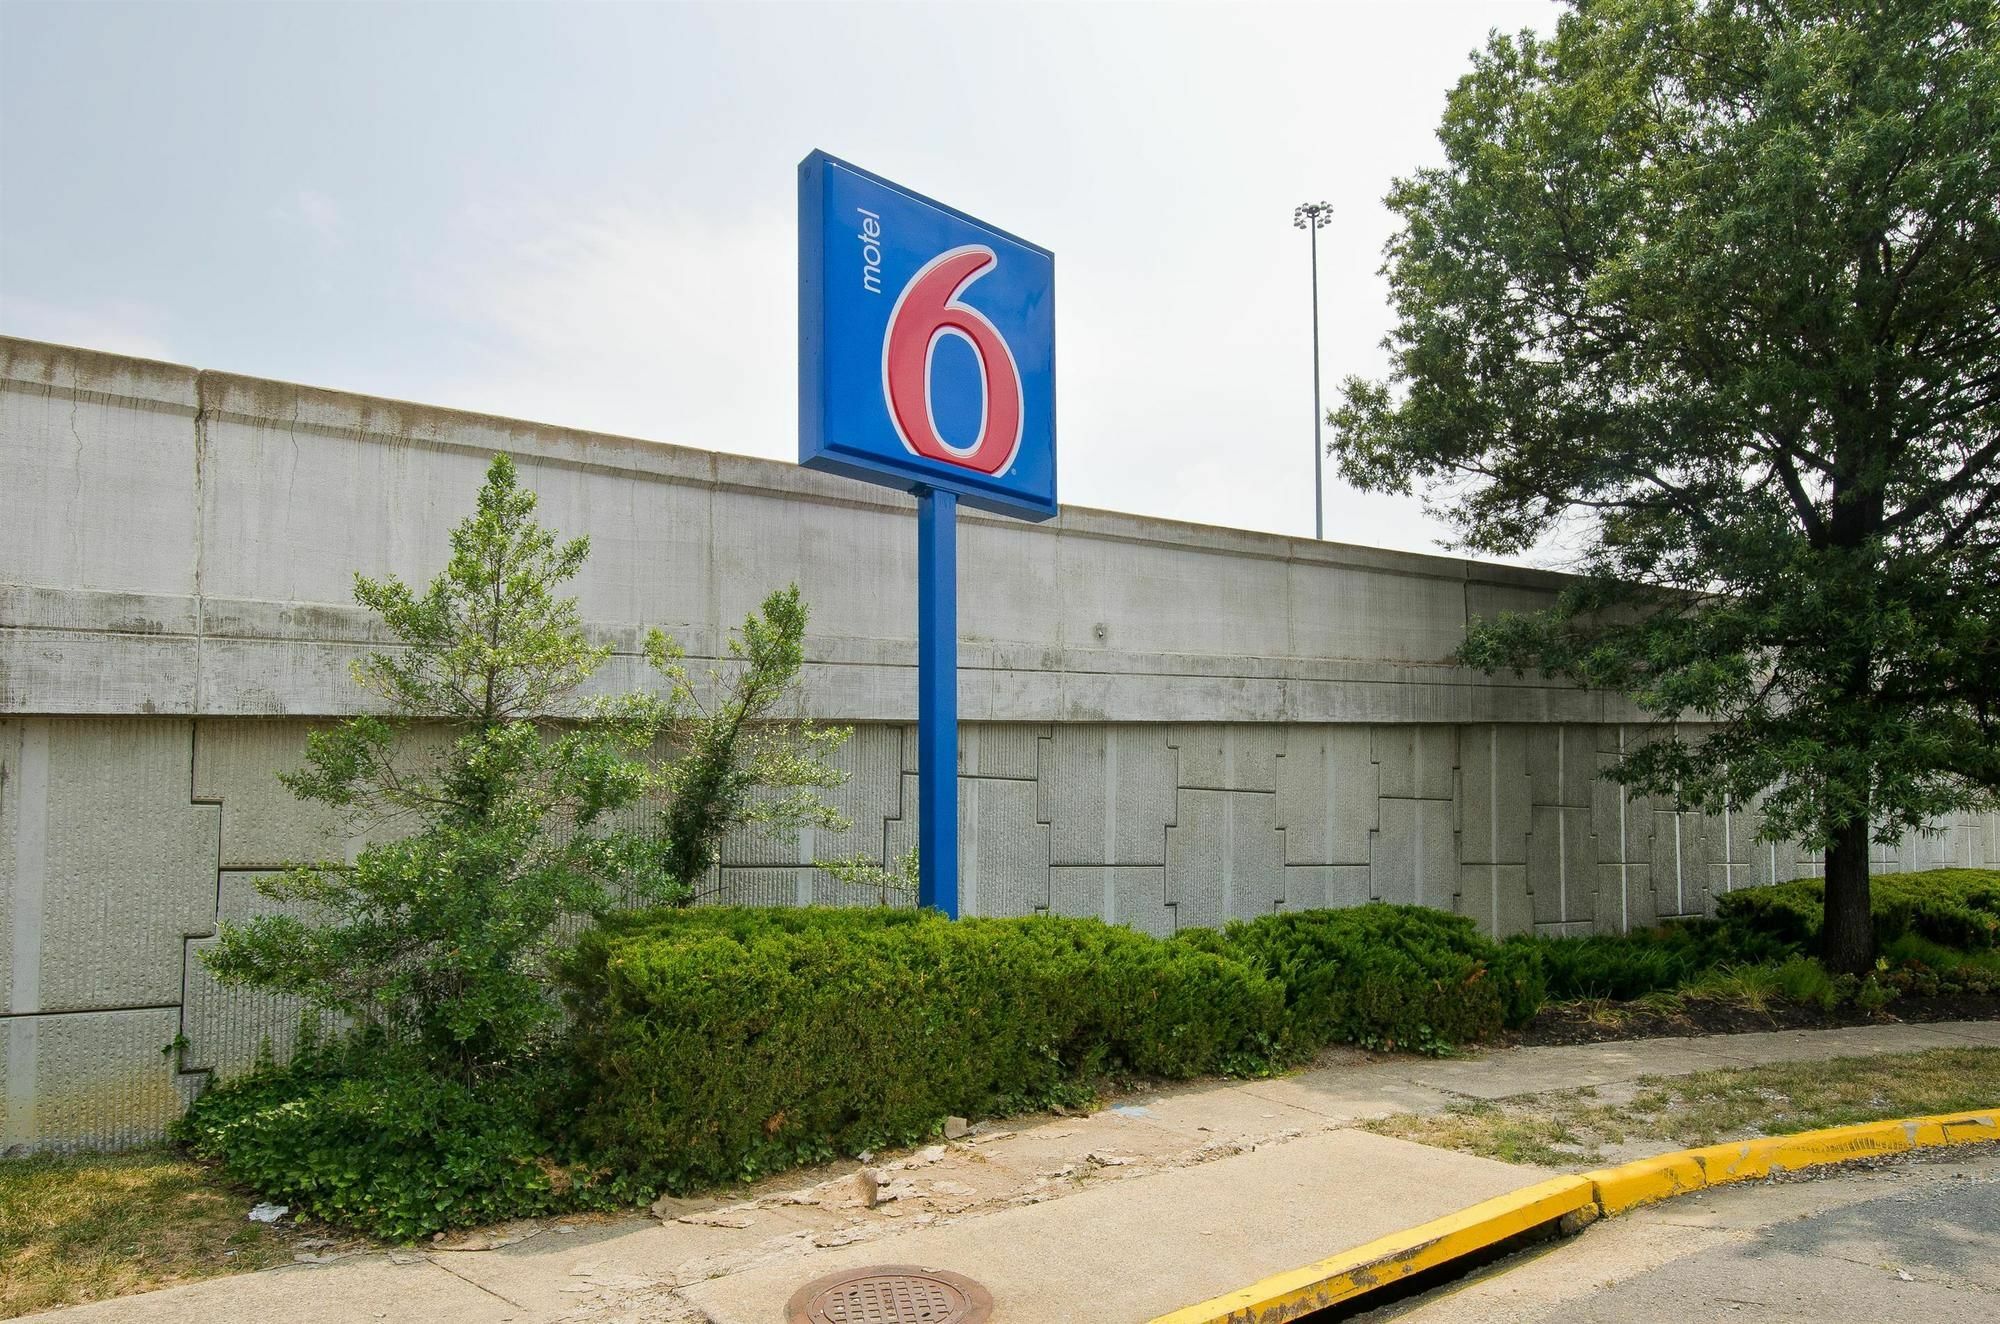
(1312, 217)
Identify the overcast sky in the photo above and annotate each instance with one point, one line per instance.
(583, 213)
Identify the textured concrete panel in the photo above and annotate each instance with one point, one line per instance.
(899, 834)
(830, 891)
(1019, 604)
(1325, 886)
(1416, 762)
(128, 864)
(1625, 898)
(1225, 858)
(1497, 794)
(1562, 764)
(1108, 794)
(24, 860)
(1139, 596)
(1003, 852)
(1134, 896)
(1342, 612)
(87, 1080)
(761, 887)
(1327, 794)
(97, 464)
(1229, 757)
(1622, 823)
(291, 509)
(1415, 854)
(49, 671)
(1969, 841)
(227, 1027)
(856, 566)
(871, 795)
(1756, 862)
(987, 749)
(237, 762)
(1496, 897)
(1562, 861)
(1685, 852)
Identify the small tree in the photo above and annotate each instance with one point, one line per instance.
(738, 762)
(441, 935)
(1715, 285)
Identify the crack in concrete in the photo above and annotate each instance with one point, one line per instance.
(435, 1261)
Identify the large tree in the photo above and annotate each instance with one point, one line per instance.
(1709, 292)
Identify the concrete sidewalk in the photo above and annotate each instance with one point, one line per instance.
(1158, 1201)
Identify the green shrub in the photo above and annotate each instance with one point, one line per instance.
(1630, 965)
(1804, 981)
(1754, 987)
(1384, 976)
(1956, 907)
(724, 1043)
(1918, 966)
(378, 1144)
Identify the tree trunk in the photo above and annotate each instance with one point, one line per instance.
(1847, 938)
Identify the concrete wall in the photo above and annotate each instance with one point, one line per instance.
(1168, 725)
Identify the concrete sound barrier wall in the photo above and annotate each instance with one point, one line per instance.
(1166, 724)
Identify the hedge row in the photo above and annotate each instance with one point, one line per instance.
(1384, 976)
(723, 1043)
(1953, 907)
(712, 1044)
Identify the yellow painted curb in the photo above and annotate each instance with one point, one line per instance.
(1298, 1292)
(1667, 1175)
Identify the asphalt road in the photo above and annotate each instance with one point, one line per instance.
(1913, 1239)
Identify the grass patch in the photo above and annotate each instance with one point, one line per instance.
(1572, 1129)
(84, 1227)
(1549, 1138)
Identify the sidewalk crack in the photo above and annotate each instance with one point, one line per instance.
(474, 1283)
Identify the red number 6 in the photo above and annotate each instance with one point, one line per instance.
(927, 309)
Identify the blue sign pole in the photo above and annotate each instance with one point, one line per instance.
(937, 700)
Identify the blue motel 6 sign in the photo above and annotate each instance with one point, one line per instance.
(927, 353)
(926, 363)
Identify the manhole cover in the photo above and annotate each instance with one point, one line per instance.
(890, 1294)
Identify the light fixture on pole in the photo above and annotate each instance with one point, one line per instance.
(1312, 217)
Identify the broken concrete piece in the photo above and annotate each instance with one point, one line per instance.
(734, 1217)
(667, 1208)
(493, 1238)
(956, 1128)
